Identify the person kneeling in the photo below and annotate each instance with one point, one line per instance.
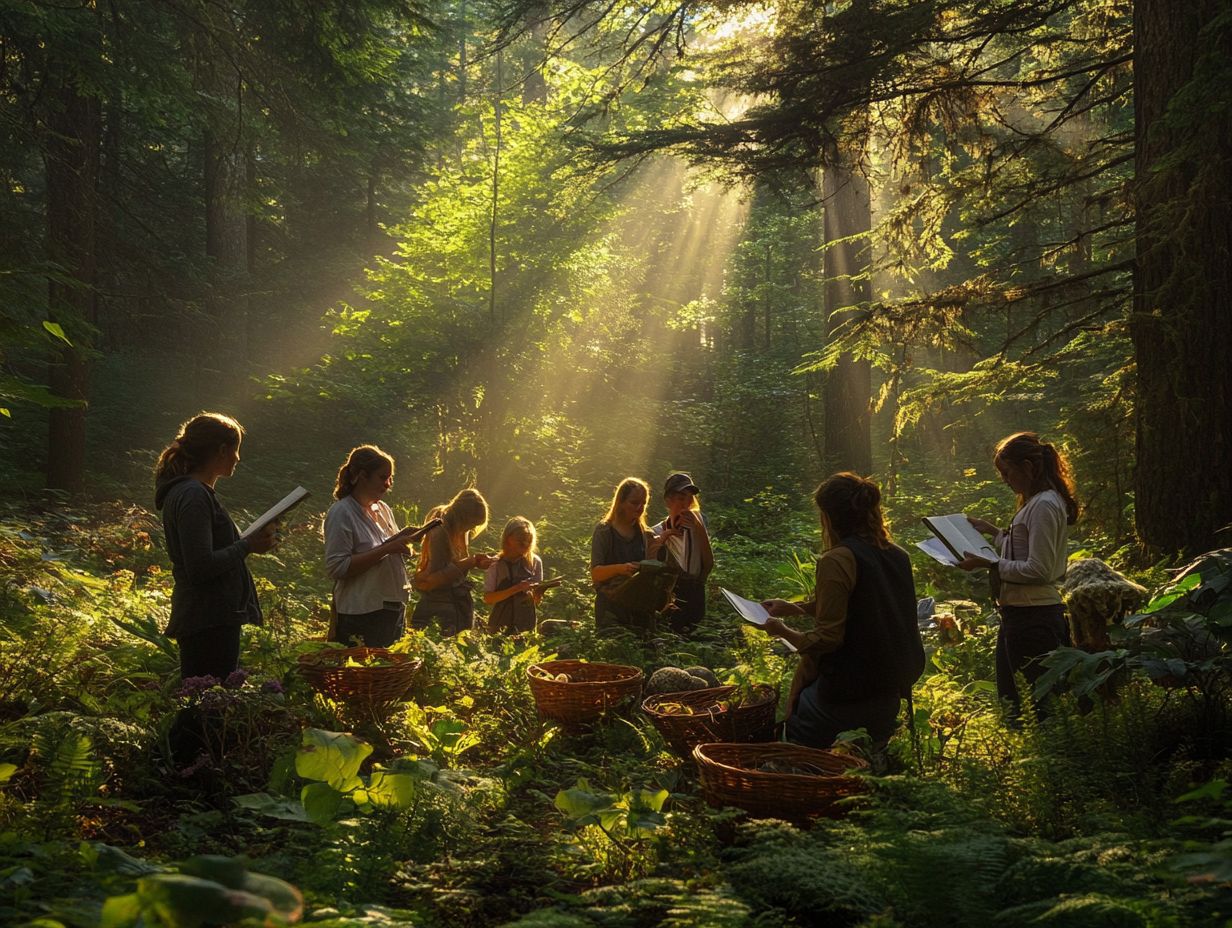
(864, 652)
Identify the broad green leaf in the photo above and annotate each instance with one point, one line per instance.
(264, 804)
(120, 911)
(7, 771)
(579, 803)
(287, 901)
(332, 757)
(392, 790)
(228, 871)
(182, 901)
(322, 802)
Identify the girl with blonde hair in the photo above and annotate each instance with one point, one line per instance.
(511, 585)
(445, 562)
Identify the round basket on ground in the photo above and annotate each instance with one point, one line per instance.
(574, 692)
(368, 677)
(777, 780)
(695, 717)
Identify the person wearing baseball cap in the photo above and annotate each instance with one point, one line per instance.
(688, 542)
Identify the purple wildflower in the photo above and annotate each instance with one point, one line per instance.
(272, 686)
(235, 679)
(195, 686)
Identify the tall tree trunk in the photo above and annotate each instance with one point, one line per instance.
(226, 245)
(534, 85)
(847, 291)
(74, 126)
(1182, 315)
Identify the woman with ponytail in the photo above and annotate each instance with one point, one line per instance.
(214, 593)
(364, 551)
(864, 652)
(1033, 557)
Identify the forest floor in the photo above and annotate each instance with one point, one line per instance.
(462, 807)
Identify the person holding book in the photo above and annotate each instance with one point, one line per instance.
(365, 553)
(1033, 558)
(512, 584)
(445, 562)
(618, 545)
(214, 595)
(687, 539)
(864, 652)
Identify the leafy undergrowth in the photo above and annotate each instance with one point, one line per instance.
(463, 808)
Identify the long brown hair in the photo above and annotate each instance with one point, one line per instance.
(623, 491)
(853, 505)
(199, 439)
(363, 459)
(1048, 467)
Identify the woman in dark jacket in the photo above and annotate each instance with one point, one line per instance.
(864, 652)
(214, 593)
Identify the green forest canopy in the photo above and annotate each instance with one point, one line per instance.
(553, 245)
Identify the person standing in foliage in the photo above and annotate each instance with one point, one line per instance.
(213, 594)
(445, 562)
(864, 652)
(617, 546)
(1027, 578)
(687, 537)
(365, 551)
(510, 585)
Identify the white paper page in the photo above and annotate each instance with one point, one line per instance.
(749, 610)
(279, 509)
(937, 551)
(962, 536)
(753, 612)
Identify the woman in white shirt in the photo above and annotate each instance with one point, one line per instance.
(364, 551)
(1033, 557)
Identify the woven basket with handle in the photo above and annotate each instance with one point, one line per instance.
(777, 780)
(382, 677)
(714, 714)
(589, 690)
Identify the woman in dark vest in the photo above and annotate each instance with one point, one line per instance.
(617, 546)
(864, 652)
(214, 593)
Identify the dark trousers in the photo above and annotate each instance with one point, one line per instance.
(214, 652)
(690, 604)
(1026, 634)
(377, 629)
(816, 722)
(452, 608)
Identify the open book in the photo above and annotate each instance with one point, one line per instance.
(276, 512)
(752, 611)
(956, 538)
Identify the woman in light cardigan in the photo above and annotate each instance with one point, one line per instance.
(1033, 558)
(364, 551)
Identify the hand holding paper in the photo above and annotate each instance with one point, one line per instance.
(753, 612)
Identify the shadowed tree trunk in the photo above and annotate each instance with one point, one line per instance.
(74, 126)
(1182, 314)
(848, 386)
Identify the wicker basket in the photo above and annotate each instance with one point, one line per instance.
(730, 776)
(752, 720)
(327, 673)
(591, 690)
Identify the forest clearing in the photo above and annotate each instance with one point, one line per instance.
(754, 464)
